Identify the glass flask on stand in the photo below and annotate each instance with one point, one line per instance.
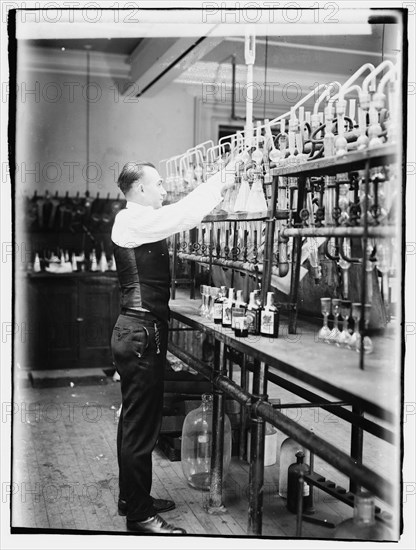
(363, 525)
(197, 444)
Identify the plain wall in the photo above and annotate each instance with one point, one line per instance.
(51, 131)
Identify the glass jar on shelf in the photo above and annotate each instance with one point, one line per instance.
(197, 444)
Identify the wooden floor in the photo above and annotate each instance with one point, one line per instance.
(65, 469)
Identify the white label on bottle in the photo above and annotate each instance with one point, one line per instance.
(218, 311)
(267, 322)
(251, 319)
(236, 316)
(202, 438)
(241, 323)
(305, 490)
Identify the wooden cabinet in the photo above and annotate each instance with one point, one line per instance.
(69, 320)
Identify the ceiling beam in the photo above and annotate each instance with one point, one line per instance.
(156, 62)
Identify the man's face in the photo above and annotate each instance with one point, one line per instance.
(150, 190)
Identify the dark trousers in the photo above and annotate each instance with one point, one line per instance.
(139, 345)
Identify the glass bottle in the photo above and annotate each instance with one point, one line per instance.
(270, 445)
(197, 443)
(287, 456)
(93, 261)
(74, 263)
(103, 265)
(241, 326)
(269, 318)
(36, 264)
(363, 526)
(227, 307)
(239, 309)
(218, 303)
(293, 474)
(253, 315)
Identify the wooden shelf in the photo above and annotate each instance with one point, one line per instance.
(354, 160)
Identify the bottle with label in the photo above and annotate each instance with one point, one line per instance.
(253, 315)
(239, 310)
(363, 526)
(293, 474)
(287, 455)
(241, 326)
(227, 306)
(218, 303)
(269, 318)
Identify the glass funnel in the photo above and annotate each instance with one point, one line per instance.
(325, 331)
(368, 344)
(356, 315)
(344, 338)
(335, 332)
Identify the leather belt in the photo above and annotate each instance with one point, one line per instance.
(140, 314)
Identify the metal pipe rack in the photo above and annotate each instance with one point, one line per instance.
(257, 410)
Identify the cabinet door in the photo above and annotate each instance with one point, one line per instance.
(98, 311)
(52, 334)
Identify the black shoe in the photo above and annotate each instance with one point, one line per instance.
(155, 525)
(159, 504)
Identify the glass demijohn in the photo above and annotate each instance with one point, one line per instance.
(197, 444)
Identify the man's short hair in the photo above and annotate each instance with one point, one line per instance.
(131, 172)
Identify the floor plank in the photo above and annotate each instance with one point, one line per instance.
(77, 458)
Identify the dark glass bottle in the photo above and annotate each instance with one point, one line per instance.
(253, 315)
(227, 306)
(363, 526)
(269, 318)
(218, 303)
(238, 316)
(293, 474)
(287, 455)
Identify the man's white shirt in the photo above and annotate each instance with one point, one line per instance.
(137, 224)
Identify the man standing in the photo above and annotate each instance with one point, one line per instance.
(140, 335)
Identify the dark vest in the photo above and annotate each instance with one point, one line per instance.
(144, 277)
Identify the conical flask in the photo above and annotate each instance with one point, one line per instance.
(256, 201)
(197, 444)
(242, 197)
